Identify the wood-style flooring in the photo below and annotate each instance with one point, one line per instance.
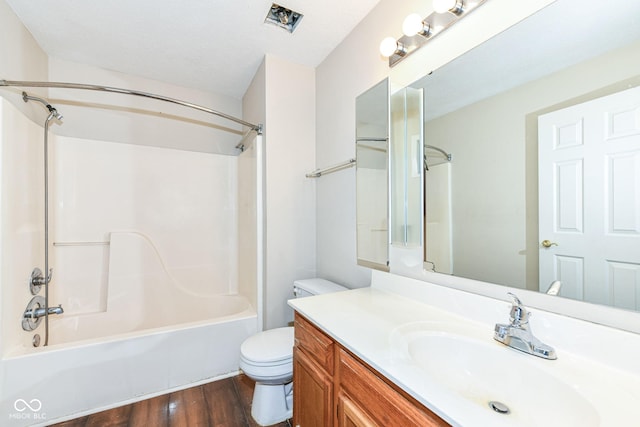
(223, 403)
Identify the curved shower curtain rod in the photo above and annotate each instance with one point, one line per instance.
(440, 150)
(59, 85)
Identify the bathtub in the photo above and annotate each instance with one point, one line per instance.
(152, 337)
(64, 381)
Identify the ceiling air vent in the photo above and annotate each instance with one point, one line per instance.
(283, 17)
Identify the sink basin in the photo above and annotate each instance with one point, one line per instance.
(490, 377)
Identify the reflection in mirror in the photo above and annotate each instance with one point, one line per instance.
(550, 107)
(437, 209)
(372, 177)
(406, 167)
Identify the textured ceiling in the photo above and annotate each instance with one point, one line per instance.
(212, 45)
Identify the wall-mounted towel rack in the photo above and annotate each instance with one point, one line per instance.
(319, 172)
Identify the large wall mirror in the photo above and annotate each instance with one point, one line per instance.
(372, 177)
(532, 156)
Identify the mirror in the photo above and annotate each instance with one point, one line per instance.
(484, 219)
(372, 177)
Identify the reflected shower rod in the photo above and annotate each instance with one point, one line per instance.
(59, 85)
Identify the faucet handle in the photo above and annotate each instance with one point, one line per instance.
(519, 315)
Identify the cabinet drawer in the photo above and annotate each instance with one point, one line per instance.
(315, 343)
(385, 405)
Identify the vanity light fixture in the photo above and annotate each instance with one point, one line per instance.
(444, 6)
(417, 31)
(413, 24)
(390, 46)
(282, 17)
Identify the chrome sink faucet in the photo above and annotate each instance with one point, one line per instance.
(517, 334)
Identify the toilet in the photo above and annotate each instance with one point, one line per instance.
(267, 358)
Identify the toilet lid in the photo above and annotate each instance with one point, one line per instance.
(269, 346)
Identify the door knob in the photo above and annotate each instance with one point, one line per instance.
(548, 243)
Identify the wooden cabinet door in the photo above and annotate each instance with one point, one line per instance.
(384, 405)
(312, 393)
(351, 415)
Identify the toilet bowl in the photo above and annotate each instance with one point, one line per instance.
(267, 358)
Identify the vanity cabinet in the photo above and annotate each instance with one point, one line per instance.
(313, 367)
(332, 387)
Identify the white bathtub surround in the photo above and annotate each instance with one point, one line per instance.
(146, 256)
(597, 365)
(184, 202)
(143, 295)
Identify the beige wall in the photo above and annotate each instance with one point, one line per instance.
(287, 92)
(20, 59)
(254, 109)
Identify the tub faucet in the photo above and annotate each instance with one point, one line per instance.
(517, 334)
(41, 312)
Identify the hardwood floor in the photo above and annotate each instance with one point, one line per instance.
(223, 403)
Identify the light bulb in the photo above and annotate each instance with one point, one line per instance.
(442, 6)
(388, 46)
(412, 25)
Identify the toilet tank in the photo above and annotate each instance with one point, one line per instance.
(309, 287)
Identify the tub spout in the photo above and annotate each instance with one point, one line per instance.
(41, 312)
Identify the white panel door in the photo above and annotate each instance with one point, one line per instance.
(589, 200)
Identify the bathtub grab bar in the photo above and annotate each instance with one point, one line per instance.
(81, 243)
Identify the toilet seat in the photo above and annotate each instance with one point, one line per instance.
(269, 348)
(268, 356)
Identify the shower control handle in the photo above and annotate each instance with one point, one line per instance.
(37, 280)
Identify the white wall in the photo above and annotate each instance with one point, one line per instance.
(282, 97)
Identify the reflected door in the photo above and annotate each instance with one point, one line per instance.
(589, 200)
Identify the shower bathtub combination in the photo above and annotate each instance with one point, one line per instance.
(155, 257)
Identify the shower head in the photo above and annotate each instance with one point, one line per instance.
(52, 111)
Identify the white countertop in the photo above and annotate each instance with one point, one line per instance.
(367, 322)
